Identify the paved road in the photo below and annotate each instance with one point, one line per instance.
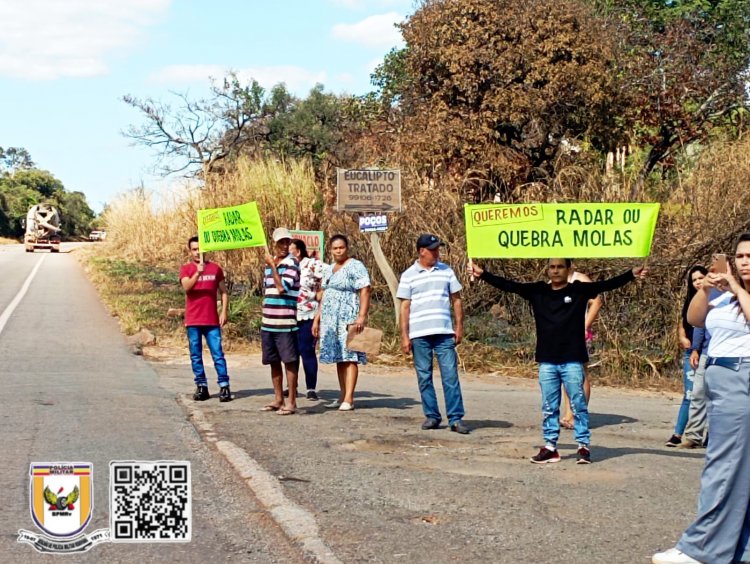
(364, 486)
(382, 490)
(72, 392)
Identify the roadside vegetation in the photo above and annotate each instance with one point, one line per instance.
(488, 100)
(23, 185)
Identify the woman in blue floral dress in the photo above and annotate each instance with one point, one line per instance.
(345, 301)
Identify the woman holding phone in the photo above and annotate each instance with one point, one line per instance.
(721, 530)
(694, 280)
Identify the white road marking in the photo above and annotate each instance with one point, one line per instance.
(296, 522)
(19, 296)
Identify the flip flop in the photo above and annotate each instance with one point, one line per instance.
(285, 411)
(270, 408)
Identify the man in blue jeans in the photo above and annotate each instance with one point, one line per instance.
(560, 315)
(426, 290)
(201, 282)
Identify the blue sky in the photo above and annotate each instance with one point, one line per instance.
(65, 64)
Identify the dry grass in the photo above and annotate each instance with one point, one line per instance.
(637, 340)
(6, 241)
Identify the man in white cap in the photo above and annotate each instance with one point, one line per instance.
(427, 290)
(279, 324)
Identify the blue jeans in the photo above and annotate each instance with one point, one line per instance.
(307, 352)
(212, 333)
(687, 385)
(444, 348)
(551, 377)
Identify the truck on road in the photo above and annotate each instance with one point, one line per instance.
(42, 225)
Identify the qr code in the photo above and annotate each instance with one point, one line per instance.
(150, 501)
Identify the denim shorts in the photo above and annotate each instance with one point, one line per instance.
(279, 346)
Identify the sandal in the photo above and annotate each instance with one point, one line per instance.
(285, 411)
(270, 407)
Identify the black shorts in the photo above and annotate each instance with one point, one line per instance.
(279, 346)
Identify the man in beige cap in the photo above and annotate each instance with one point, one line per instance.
(279, 325)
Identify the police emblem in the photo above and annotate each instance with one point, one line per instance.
(61, 499)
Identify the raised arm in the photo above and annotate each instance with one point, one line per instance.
(722, 281)
(275, 274)
(499, 282)
(616, 282)
(698, 308)
(188, 282)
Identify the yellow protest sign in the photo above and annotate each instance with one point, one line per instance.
(236, 227)
(582, 230)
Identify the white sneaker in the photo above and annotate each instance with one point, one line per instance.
(346, 406)
(673, 556)
(333, 405)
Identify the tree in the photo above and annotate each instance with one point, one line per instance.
(683, 66)
(24, 188)
(75, 214)
(15, 158)
(311, 127)
(42, 182)
(495, 86)
(198, 134)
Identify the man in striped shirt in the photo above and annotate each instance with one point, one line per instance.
(279, 324)
(427, 289)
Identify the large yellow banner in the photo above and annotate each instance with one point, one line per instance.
(560, 230)
(236, 227)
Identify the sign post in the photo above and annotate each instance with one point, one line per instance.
(368, 191)
(372, 192)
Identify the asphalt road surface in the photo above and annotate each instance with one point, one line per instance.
(360, 486)
(72, 392)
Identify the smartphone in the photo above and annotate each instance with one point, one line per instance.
(719, 263)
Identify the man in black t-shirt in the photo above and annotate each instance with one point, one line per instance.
(560, 315)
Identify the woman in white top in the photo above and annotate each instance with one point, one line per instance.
(721, 530)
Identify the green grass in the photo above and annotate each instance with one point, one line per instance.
(140, 295)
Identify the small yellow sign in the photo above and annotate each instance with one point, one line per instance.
(236, 227)
(583, 230)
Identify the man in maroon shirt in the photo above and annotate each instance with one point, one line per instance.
(201, 280)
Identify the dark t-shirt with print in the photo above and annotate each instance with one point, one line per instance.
(560, 315)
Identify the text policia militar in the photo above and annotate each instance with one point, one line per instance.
(573, 230)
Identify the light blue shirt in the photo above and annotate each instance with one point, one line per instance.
(429, 290)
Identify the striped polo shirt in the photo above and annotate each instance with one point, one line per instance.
(429, 290)
(280, 310)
